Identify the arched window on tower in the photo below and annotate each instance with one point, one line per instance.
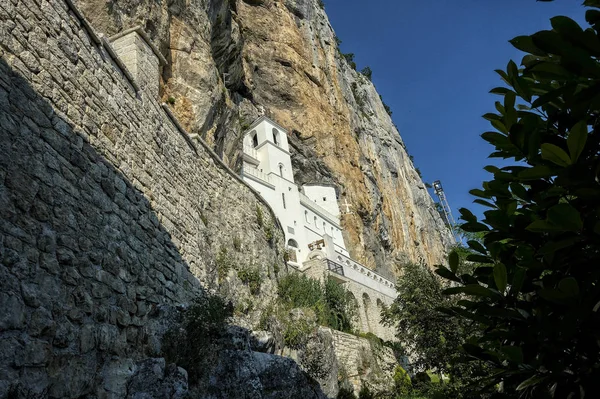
(283, 199)
(292, 243)
(306, 216)
(275, 136)
(316, 227)
(281, 170)
(254, 139)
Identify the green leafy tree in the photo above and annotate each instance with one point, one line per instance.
(535, 299)
(432, 337)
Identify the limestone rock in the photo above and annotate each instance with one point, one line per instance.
(153, 379)
(230, 61)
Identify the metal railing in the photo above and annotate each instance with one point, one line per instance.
(335, 267)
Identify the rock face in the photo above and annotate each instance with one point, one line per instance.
(230, 61)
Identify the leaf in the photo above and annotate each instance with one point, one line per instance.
(554, 246)
(474, 227)
(577, 139)
(509, 101)
(453, 260)
(500, 277)
(566, 27)
(555, 154)
(500, 90)
(477, 246)
(479, 259)
(569, 286)
(525, 43)
(513, 353)
(467, 215)
(484, 203)
(479, 193)
(500, 126)
(492, 117)
(530, 381)
(447, 274)
(542, 226)
(519, 191)
(471, 289)
(497, 139)
(537, 172)
(566, 217)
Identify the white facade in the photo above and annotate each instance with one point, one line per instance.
(311, 214)
(306, 213)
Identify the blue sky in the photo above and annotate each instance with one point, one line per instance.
(433, 62)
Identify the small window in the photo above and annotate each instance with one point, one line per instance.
(324, 199)
(283, 200)
(316, 223)
(254, 139)
(275, 136)
(281, 170)
(306, 216)
(324, 227)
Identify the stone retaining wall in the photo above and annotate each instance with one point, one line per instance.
(108, 215)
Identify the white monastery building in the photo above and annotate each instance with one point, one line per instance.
(310, 217)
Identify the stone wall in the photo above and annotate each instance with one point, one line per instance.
(361, 361)
(109, 215)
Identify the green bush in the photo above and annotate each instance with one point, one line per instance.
(296, 333)
(251, 278)
(259, 216)
(332, 303)
(402, 383)
(237, 243)
(193, 342)
(533, 302)
(345, 393)
(224, 264)
(365, 393)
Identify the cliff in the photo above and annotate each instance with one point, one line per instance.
(230, 61)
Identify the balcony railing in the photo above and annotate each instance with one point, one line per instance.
(318, 209)
(247, 170)
(251, 155)
(335, 267)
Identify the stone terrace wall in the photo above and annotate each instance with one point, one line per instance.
(108, 215)
(363, 362)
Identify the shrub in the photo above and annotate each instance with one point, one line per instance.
(224, 264)
(269, 233)
(365, 393)
(402, 384)
(346, 393)
(171, 100)
(192, 342)
(296, 333)
(237, 243)
(367, 72)
(534, 301)
(251, 278)
(331, 302)
(259, 216)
